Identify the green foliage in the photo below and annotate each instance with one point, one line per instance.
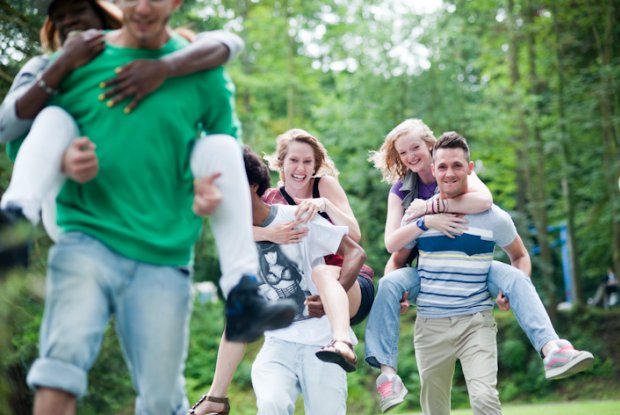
(18, 38)
(520, 368)
(348, 72)
(21, 308)
(515, 352)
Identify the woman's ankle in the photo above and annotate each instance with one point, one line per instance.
(388, 370)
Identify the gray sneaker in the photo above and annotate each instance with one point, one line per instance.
(391, 390)
(564, 361)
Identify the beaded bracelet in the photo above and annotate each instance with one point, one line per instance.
(44, 86)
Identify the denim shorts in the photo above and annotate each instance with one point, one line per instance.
(368, 296)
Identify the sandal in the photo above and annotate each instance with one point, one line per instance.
(332, 354)
(211, 399)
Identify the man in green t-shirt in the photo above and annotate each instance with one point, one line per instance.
(127, 239)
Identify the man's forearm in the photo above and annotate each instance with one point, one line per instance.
(524, 264)
(519, 257)
(353, 259)
(351, 269)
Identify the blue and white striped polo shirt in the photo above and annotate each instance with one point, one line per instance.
(453, 272)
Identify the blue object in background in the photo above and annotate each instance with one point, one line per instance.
(562, 243)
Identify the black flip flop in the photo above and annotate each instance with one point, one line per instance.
(335, 356)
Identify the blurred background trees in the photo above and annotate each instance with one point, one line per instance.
(533, 85)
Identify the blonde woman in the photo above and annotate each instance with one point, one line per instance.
(405, 159)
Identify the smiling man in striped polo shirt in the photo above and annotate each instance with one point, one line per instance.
(454, 306)
(454, 320)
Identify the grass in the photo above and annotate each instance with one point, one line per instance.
(566, 408)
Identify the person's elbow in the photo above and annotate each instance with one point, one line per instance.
(354, 253)
(392, 246)
(233, 43)
(487, 202)
(389, 244)
(525, 264)
(236, 45)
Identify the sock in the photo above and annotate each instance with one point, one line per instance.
(549, 348)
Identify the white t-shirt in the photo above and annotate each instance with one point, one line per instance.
(286, 272)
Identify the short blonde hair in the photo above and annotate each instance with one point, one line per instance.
(324, 166)
(387, 159)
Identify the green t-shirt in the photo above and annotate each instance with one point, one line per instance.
(12, 147)
(140, 203)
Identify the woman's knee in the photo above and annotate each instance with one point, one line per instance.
(218, 143)
(217, 152)
(58, 120)
(506, 278)
(56, 113)
(322, 273)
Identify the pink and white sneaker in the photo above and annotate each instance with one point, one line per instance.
(391, 390)
(564, 361)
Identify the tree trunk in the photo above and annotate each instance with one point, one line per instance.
(611, 145)
(567, 167)
(291, 52)
(246, 67)
(536, 167)
(523, 177)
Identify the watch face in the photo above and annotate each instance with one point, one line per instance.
(421, 224)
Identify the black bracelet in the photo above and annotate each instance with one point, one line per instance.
(44, 86)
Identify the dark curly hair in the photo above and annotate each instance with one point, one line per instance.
(256, 170)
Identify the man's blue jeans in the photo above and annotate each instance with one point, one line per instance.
(87, 283)
(383, 327)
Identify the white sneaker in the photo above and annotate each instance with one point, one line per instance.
(391, 390)
(564, 361)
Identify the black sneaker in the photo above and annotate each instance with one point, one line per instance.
(15, 238)
(249, 314)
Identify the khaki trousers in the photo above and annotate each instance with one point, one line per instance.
(439, 342)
